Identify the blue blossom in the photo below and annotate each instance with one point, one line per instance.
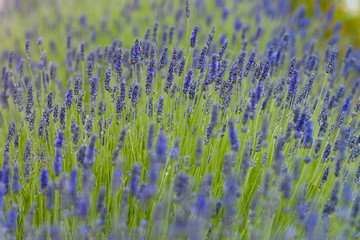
(193, 38)
(234, 142)
(44, 178)
(135, 179)
(161, 147)
(331, 63)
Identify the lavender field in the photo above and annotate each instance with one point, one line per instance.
(184, 119)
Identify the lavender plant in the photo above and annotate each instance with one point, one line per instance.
(226, 120)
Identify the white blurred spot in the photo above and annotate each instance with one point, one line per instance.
(353, 5)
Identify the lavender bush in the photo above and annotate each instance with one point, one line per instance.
(177, 120)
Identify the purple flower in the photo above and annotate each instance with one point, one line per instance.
(331, 63)
(73, 182)
(82, 206)
(80, 157)
(164, 57)
(213, 68)
(221, 73)
(118, 65)
(120, 105)
(170, 76)
(223, 48)
(59, 142)
(77, 85)
(155, 31)
(11, 222)
(202, 58)
(234, 142)
(94, 88)
(135, 94)
(135, 52)
(257, 35)
(135, 179)
(231, 193)
(16, 185)
(90, 154)
(107, 80)
(150, 137)
(327, 152)
(90, 69)
(293, 85)
(5, 176)
(308, 140)
(150, 76)
(62, 116)
(44, 178)
(250, 63)
(174, 153)
(180, 186)
(116, 179)
(57, 163)
(100, 199)
(237, 24)
(279, 156)
(30, 99)
(181, 66)
(122, 89)
(55, 113)
(27, 47)
(241, 62)
(68, 98)
(21, 67)
(193, 37)
(164, 36)
(210, 37)
(161, 147)
(160, 107)
(285, 186)
(11, 59)
(310, 225)
(347, 103)
(153, 50)
(171, 34)
(325, 175)
(187, 8)
(82, 51)
(68, 41)
(199, 150)
(213, 121)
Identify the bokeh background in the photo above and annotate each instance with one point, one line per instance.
(346, 11)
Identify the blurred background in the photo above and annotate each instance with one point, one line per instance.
(346, 13)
